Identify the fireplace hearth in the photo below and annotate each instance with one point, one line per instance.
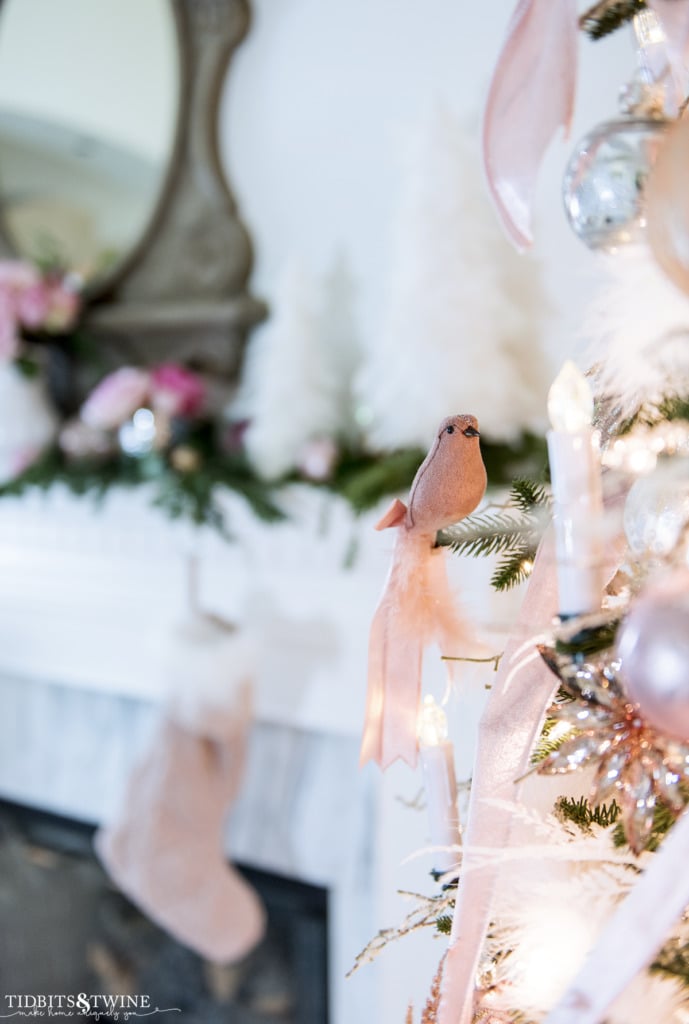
(65, 930)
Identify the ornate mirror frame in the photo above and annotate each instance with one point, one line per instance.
(182, 292)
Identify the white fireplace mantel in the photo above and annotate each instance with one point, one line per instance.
(88, 594)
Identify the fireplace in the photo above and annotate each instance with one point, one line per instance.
(82, 592)
(67, 931)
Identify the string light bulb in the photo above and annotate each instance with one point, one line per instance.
(432, 723)
(570, 400)
(437, 759)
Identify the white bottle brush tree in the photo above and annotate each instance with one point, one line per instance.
(459, 298)
(288, 385)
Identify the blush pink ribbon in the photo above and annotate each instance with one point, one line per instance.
(532, 95)
(509, 727)
(508, 730)
(416, 610)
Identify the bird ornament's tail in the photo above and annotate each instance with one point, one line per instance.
(417, 608)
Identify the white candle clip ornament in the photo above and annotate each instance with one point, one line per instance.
(437, 758)
(577, 495)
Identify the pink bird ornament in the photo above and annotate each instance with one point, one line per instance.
(417, 607)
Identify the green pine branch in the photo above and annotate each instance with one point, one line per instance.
(674, 407)
(512, 531)
(649, 414)
(486, 533)
(527, 495)
(673, 960)
(514, 568)
(547, 743)
(607, 16)
(584, 816)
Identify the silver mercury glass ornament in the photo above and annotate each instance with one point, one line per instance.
(145, 431)
(604, 181)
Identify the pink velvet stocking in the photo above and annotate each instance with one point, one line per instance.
(165, 848)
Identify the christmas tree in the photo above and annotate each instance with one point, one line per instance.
(575, 912)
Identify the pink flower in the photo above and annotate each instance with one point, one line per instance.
(17, 275)
(176, 391)
(31, 304)
(24, 294)
(48, 302)
(9, 336)
(116, 398)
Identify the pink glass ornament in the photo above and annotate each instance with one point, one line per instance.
(653, 645)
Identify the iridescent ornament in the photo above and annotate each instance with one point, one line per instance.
(653, 646)
(636, 765)
(604, 182)
(143, 433)
(667, 206)
(657, 510)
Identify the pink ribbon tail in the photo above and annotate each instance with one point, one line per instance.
(510, 724)
(417, 608)
(399, 633)
(531, 96)
(507, 731)
(394, 683)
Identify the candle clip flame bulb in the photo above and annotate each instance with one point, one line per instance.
(432, 723)
(647, 30)
(570, 401)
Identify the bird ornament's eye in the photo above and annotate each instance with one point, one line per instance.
(450, 429)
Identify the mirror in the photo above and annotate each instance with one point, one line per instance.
(109, 163)
(89, 108)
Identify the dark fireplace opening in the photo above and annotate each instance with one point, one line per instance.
(65, 930)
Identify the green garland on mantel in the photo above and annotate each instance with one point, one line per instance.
(362, 479)
(192, 494)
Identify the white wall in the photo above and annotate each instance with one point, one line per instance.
(315, 109)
